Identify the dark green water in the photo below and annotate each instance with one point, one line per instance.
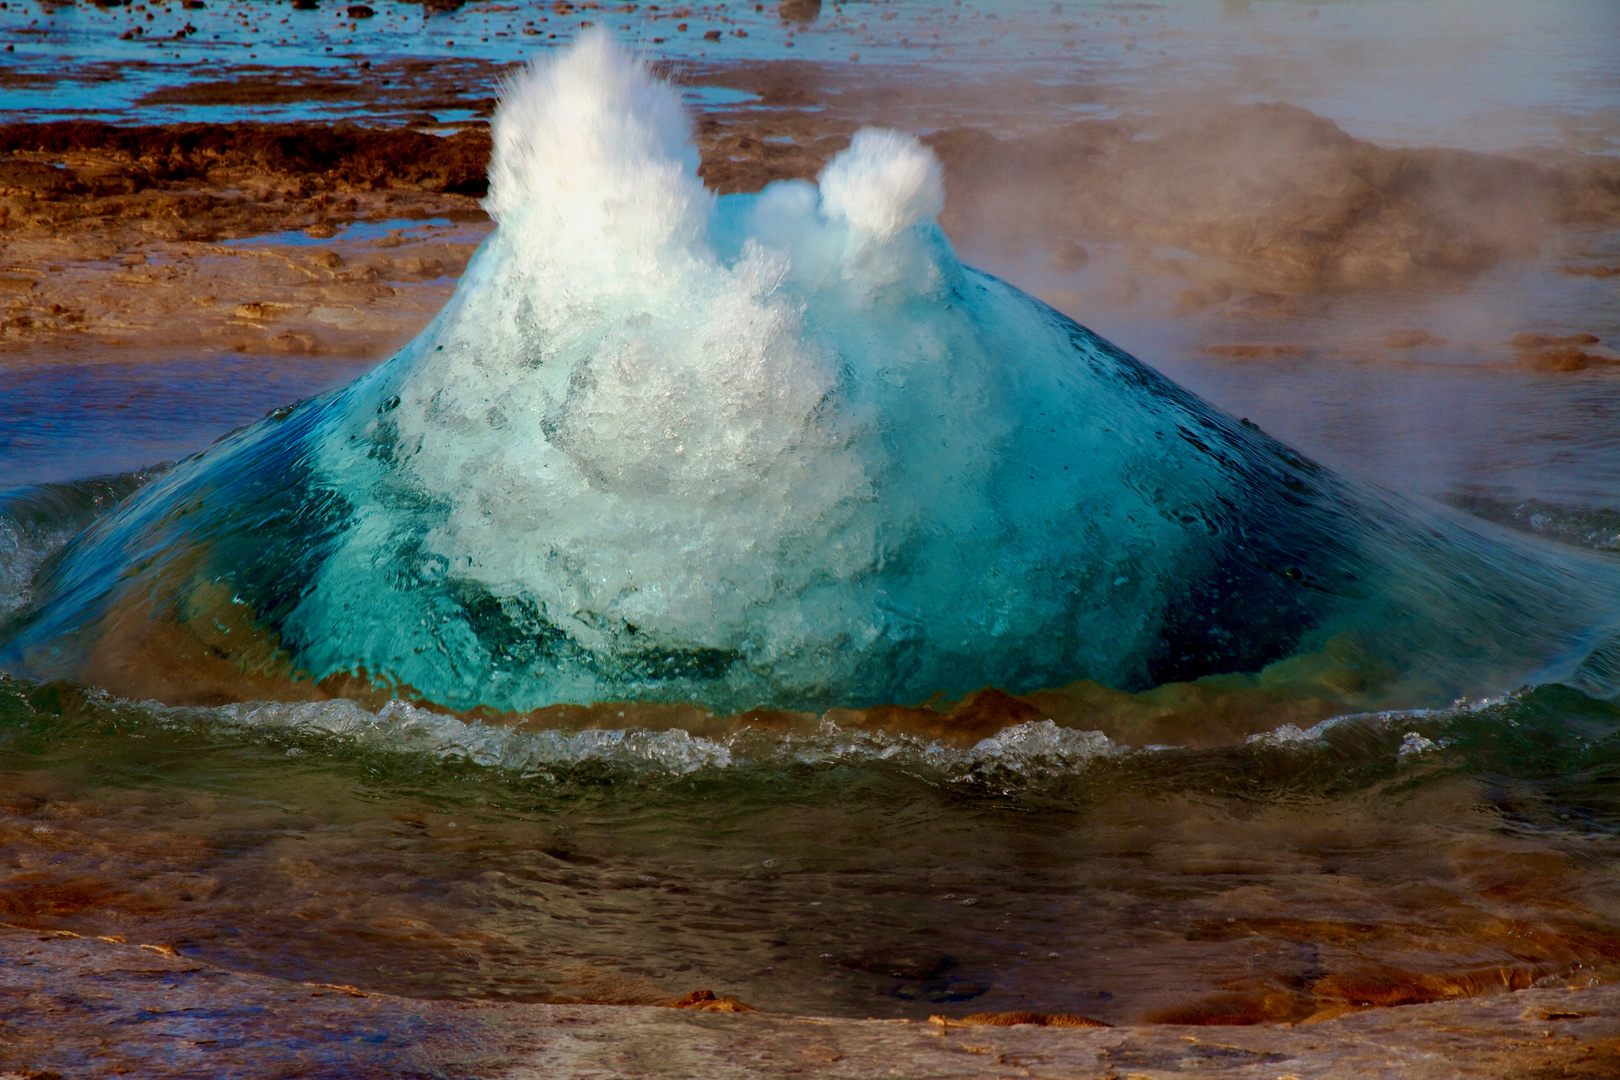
(1378, 859)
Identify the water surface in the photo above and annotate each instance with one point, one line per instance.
(1387, 858)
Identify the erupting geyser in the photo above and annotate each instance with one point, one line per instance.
(768, 450)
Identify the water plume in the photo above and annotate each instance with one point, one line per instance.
(777, 450)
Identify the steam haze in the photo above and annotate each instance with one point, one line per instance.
(1385, 231)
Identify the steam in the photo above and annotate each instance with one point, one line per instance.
(1276, 197)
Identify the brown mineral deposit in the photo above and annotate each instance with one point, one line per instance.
(1254, 352)
(1541, 341)
(1015, 1019)
(1412, 339)
(705, 1001)
(156, 1015)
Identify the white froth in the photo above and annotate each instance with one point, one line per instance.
(400, 727)
(22, 552)
(591, 143)
(885, 183)
(1023, 752)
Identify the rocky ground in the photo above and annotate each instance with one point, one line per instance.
(130, 240)
(72, 1006)
(238, 236)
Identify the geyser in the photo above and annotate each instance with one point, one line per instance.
(773, 450)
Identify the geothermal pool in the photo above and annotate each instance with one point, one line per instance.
(736, 586)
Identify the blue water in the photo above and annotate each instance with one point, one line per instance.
(69, 420)
(354, 232)
(1488, 74)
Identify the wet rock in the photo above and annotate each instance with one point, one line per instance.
(33, 177)
(160, 1014)
(1253, 352)
(1411, 339)
(1384, 987)
(416, 266)
(295, 343)
(1193, 1057)
(1238, 1009)
(261, 310)
(705, 1001)
(1567, 358)
(1548, 352)
(1015, 1019)
(155, 157)
(1069, 257)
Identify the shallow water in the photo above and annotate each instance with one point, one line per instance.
(70, 420)
(1482, 75)
(831, 873)
(1384, 859)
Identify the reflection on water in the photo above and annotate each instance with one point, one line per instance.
(71, 419)
(1487, 75)
(1386, 860)
(357, 232)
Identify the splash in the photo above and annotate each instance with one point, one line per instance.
(1022, 752)
(776, 450)
(37, 520)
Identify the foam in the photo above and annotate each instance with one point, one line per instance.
(22, 552)
(590, 148)
(400, 727)
(1021, 753)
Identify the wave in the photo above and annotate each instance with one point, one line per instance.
(1552, 736)
(37, 520)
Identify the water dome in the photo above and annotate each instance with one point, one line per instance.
(775, 450)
